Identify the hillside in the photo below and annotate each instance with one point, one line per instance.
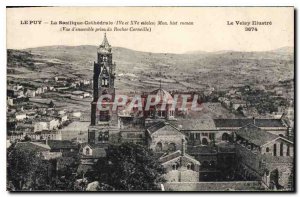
(139, 70)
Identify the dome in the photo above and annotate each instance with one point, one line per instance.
(162, 94)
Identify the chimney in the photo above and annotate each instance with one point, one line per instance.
(254, 120)
(183, 147)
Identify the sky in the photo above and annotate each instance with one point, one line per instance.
(209, 32)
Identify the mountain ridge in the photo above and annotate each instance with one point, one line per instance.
(280, 49)
(176, 71)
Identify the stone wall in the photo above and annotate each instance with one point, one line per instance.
(213, 186)
(166, 140)
(260, 166)
(268, 149)
(182, 176)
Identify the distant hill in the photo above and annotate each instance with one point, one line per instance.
(192, 70)
(282, 50)
(286, 50)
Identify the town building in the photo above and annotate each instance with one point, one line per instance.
(180, 167)
(191, 149)
(265, 157)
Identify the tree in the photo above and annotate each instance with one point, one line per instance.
(129, 167)
(66, 173)
(26, 171)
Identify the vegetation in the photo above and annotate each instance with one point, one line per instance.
(66, 173)
(26, 171)
(128, 167)
(263, 101)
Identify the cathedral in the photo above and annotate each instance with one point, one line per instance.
(191, 148)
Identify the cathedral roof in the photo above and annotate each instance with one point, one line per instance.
(255, 135)
(196, 124)
(242, 122)
(104, 46)
(162, 94)
(164, 128)
(176, 155)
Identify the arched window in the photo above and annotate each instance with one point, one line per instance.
(101, 136)
(106, 136)
(87, 151)
(204, 141)
(158, 147)
(175, 166)
(274, 177)
(267, 149)
(172, 147)
(267, 172)
(104, 59)
(188, 166)
(225, 137)
(192, 137)
(171, 113)
(197, 136)
(274, 150)
(281, 149)
(288, 150)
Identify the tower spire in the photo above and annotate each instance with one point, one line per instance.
(105, 41)
(105, 46)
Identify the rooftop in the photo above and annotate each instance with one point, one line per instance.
(255, 135)
(32, 146)
(77, 126)
(243, 122)
(61, 144)
(196, 124)
(162, 95)
(167, 127)
(176, 154)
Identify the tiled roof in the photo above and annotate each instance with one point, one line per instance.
(243, 122)
(156, 126)
(255, 135)
(196, 124)
(170, 156)
(162, 95)
(176, 154)
(165, 127)
(32, 146)
(61, 144)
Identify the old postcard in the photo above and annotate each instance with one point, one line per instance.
(150, 99)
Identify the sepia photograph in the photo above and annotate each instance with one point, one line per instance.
(150, 99)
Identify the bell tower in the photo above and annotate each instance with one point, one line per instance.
(103, 81)
(102, 129)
